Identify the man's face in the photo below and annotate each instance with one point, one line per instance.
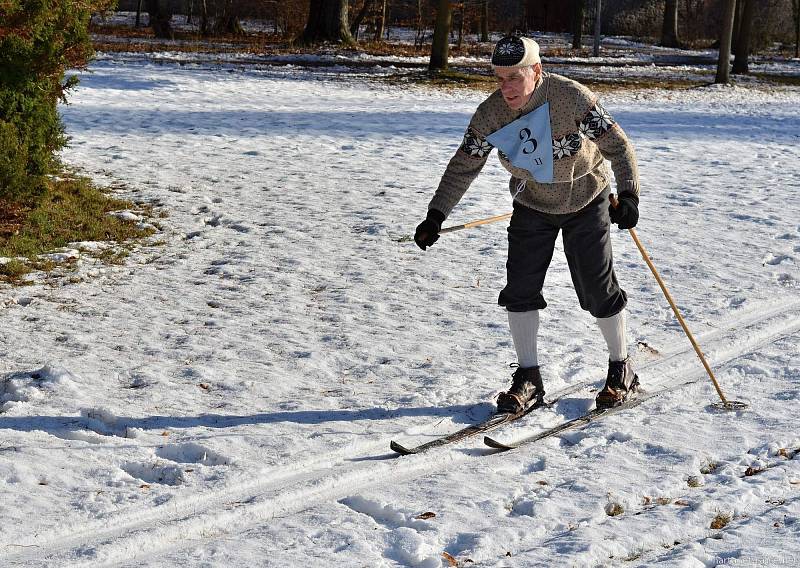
(518, 84)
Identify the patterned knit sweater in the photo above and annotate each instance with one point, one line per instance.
(584, 134)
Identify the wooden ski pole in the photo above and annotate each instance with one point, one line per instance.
(469, 225)
(475, 223)
(646, 257)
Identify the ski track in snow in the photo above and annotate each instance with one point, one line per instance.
(227, 396)
(141, 534)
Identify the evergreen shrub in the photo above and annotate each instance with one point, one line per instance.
(39, 41)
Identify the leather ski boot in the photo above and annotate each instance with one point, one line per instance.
(621, 382)
(526, 390)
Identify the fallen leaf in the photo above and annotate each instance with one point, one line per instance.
(752, 471)
(450, 560)
(426, 515)
(643, 346)
(204, 386)
(682, 503)
(165, 433)
(144, 486)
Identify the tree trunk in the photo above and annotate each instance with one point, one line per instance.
(138, 14)
(205, 28)
(796, 5)
(327, 21)
(380, 22)
(420, 36)
(228, 21)
(737, 23)
(578, 8)
(669, 30)
(441, 48)
(160, 16)
(740, 63)
(597, 22)
(485, 21)
(723, 64)
(362, 13)
(461, 19)
(189, 10)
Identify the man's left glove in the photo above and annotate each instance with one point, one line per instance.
(626, 213)
(428, 231)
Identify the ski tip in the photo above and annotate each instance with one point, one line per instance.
(400, 449)
(492, 443)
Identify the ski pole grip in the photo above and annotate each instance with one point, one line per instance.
(613, 199)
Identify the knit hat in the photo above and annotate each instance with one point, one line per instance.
(515, 51)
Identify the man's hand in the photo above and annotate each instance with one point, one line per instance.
(626, 213)
(428, 231)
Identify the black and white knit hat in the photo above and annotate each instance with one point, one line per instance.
(515, 51)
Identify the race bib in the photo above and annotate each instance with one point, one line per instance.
(528, 143)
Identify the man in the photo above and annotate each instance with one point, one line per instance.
(553, 136)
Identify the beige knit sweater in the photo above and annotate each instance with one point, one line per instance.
(584, 134)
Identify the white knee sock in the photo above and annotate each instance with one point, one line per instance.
(613, 330)
(524, 327)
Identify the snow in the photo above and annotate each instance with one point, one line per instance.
(228, 395)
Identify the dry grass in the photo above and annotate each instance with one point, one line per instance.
(72, 210)
(721, 521)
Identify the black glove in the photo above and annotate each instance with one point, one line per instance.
(626, 213)
(428, 231)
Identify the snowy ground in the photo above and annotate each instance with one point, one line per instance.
(228, 396)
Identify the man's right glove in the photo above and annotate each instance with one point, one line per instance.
(626, 213)
(428, 231)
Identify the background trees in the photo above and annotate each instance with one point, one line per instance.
(693, 23)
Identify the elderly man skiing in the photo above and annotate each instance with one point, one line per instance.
(553, 136)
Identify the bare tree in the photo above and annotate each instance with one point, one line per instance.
(362, 13)
(380, 20)
(485, 21)
(598, 12)
(669, 29)
(737, 12)
(228, 21)
(138, 13)
(327, 21)
(796, 13)
(205, 24)
(578, 11)
(420, 35)
(160, 14)
(440, 49)
(461, 19)
(726, 33)
(740, 62)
